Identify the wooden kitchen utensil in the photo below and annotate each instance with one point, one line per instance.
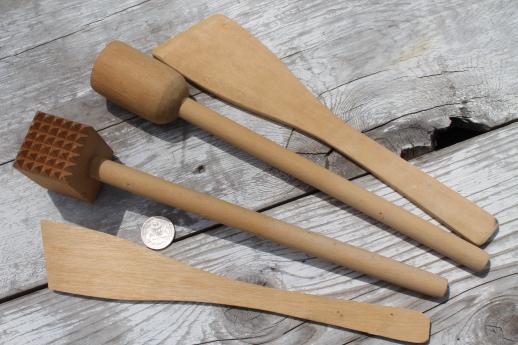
(156, 92)
(219, 55)
(92, 263)
(71, 158)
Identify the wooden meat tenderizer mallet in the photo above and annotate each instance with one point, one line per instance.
(158, 93)
(92, 263)
(72, 158)
(218, 55)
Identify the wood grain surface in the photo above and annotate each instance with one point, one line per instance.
(484, 168)
(407, 74)
(401, 72)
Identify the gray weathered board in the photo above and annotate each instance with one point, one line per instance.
(398, 71)
(401, 72)
(481, 309)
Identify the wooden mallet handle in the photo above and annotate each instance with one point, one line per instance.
(72, 158)
(272, 229)
(156, 92)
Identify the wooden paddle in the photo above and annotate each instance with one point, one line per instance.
(219, 55)
(92, 263)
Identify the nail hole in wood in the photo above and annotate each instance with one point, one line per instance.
(200, 169)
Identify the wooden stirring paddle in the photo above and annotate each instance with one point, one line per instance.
(219, 55)
(92, 263)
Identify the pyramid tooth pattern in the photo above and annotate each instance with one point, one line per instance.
(52, 146)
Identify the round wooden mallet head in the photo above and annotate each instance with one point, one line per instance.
(138, 83)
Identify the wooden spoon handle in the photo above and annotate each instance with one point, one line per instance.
(453, 210)
(376, 207)
(272, 229)
(92, 263)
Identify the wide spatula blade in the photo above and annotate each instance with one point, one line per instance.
(91, 263)
(220, 56)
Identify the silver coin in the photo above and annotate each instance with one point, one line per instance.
(157, 232)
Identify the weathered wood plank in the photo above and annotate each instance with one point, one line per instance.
(430, 75)
(340, 51)
(360, 57)
(28, 24)
(486, 314)
(62, 86)
(483, 168)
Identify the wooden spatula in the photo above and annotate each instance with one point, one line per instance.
(91, 263)
(219, 55)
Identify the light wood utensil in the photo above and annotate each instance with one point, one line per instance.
(156, 92)
(92, 263)
(220, 56)
(71, 158)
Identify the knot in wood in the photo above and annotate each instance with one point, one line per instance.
(250, 326)
(496, 322)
